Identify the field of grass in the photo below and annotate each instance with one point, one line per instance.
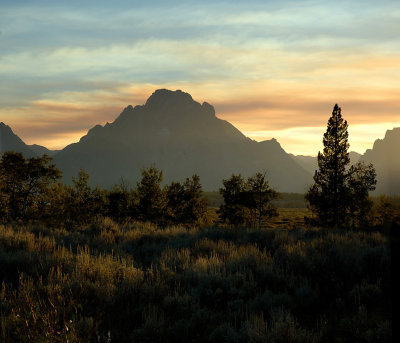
(135, 282)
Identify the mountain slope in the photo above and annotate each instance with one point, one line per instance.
(9, 141)
(40, 150)
(385, 156)
(309, 163)
(181, 137)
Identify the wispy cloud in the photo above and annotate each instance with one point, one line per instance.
(267, 66)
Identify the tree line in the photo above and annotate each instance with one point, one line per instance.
(30, 190)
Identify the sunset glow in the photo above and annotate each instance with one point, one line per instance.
(273, 69)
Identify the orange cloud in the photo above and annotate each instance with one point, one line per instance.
(261, 108)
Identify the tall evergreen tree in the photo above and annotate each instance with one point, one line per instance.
(329, 194)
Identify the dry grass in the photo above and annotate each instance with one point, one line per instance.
(139, 282)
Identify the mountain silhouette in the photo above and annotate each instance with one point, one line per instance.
(385, 156)
(40, 150)
(9, 141)
(181, 137)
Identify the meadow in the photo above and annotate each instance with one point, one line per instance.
(137, 282)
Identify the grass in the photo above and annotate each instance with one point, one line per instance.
(135, 282)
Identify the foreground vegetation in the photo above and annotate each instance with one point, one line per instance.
(135, 282)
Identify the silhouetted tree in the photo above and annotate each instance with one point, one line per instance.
(185, 204)
(361, 179)
(175, 203)
(12, 177)
(81, 202)
(51, 205)
(233, 211)
(23, 180)
(120, 202)
(81, 197)
(39, 174)
(385, 211)
(247, 202)
(328, 195)
(339, 194)
(196, 206)
(151, 197)
(258, 197)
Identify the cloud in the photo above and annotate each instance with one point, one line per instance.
(293, 25)
(266, 66)
(258, 113)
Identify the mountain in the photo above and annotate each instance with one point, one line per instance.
(310, 163)
(9, 141)
(385, 156)
(41, 150)
(181, 137)
(354, 157)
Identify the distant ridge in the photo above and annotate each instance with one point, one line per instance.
(385, 156)
(41, 150)
(10, 141)
(181, 137)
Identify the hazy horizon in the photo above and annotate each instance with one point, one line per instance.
(273, 69)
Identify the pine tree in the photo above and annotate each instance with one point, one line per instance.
(328, 197)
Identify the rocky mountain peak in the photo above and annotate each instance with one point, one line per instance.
(166, 107)
(5, 128)
(165, 98)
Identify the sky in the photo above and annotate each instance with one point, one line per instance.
(274, 69)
